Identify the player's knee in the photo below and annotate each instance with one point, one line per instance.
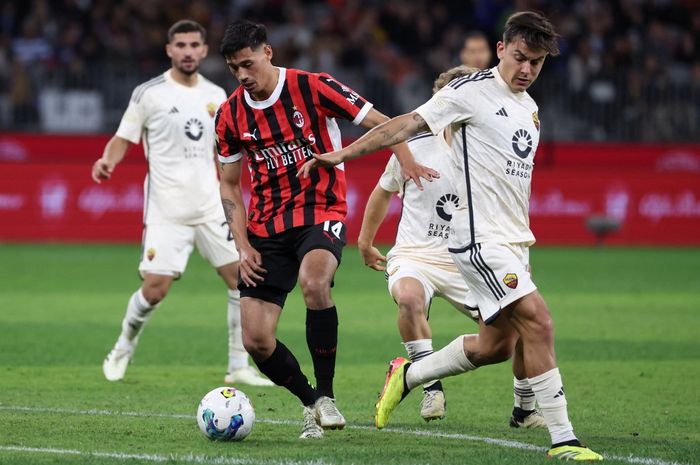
(410, 305)
(500, 352)
(258, 346)
(316, 291)
(154, 294)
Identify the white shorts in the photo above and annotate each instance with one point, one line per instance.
(167, 247)
(497, 275)
(436, 280)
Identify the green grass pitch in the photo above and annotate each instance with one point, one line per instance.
(627, 335)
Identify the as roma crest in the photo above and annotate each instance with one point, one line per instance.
(536, 120)
(211, 108)
(511, 280)
(150, 254)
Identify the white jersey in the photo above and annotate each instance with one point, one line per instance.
(424, 228)
(502, 132)
(176, 123)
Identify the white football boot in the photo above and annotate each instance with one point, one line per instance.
(432, 407)
(311, 428)
(329, 417)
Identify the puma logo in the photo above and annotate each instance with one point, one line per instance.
(251, 135)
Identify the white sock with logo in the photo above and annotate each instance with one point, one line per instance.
(138, 311)
(448, 361)
(522, 392)
(549, 392)
(237, 355)
(418, 350)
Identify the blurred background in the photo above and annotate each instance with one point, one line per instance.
(620, 108)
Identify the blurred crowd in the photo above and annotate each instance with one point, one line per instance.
(629, 69)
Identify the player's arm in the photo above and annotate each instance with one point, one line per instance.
(375, 212)
(113, 154)
(389, 133)
(250, 267)
(410, 169)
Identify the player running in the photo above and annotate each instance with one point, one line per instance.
(419, 266)
(495, 132)
(294, 229)
(174, 115)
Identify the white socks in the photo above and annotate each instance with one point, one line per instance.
(448, 361)
(549, 393)
(237, 355)
(418, 350)
(138, 311)
(522, 392)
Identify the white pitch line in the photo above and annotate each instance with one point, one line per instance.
(434, 434)
(190, 458)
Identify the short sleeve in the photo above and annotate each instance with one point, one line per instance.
(454, 103)
(339, 101)
(228, 146)
(391, 180)
(134, 118)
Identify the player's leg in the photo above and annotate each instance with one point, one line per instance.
(260, 310)
(524, 414)
(531, 318)
(413, 299)
(166, 249)
(239, 371)
(319, 250)
(215, 244)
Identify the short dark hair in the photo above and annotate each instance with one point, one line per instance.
(242, 34)
(186, 25)
(536, 30)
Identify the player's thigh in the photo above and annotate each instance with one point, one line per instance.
(408, 285)
(496, 275)
(259, 318)
(229, 273)
(166, 249)
(215, 243)
(279, 259)
(451, 286)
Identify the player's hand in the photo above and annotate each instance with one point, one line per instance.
(325, 160)
(416, 171)
(250, 267)
(373, 258)
(102, 170)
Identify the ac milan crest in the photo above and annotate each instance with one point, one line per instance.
(298, 119)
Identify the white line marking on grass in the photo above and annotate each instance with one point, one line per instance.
(433, 434)
(199, 459)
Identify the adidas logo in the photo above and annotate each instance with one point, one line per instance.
(502, 112)
(173, 110)
(560, 393)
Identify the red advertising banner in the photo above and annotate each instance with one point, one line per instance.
(651, 192)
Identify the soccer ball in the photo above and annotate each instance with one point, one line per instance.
(225, 414)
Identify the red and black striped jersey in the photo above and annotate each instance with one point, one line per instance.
(278, 135)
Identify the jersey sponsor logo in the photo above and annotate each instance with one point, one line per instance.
(151, 254)
(194, 129)
(283, 153)
(251, 135)
(522, 143)
(298, 119)
(511, 280)
(446, 205)
(536, 120)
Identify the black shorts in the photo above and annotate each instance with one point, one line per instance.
(282, 255)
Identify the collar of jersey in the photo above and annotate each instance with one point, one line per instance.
(502, 83)
(262, 104)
